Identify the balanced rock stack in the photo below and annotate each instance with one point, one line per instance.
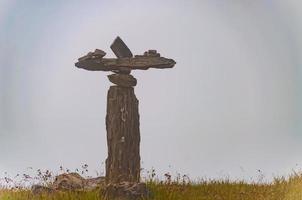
(122, 117)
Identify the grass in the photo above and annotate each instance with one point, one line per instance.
(23, 194)
(279, 189)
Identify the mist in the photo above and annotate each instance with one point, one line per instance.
(229, 107)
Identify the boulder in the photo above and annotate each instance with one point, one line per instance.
(69, 181)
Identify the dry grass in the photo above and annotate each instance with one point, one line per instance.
(23, 194)
(279, 189)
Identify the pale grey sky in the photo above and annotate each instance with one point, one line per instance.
(231, 105)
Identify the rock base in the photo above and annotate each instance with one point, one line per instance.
(123, 136)
(125, 191)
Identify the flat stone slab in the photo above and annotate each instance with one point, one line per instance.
(120, 49)
(138, 62)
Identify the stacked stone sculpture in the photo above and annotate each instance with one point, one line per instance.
(122, 119)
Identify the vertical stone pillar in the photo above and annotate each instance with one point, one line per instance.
(123, 135)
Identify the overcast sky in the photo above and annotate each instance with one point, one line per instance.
(231, 105)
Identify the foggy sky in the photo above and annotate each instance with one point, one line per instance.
(231, 105)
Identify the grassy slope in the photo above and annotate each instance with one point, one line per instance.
(281, 189)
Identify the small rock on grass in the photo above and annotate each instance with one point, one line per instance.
(69, 181)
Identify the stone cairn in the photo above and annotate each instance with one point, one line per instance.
(122, 119)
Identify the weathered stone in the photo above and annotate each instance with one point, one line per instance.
(73, 181)
(92, 183)
(123, 136)
(93, 55)
(99, 53)
(125, 191)
(120, 49)
(124, 80)
(69, 181)
(138, 62)
(151, 53)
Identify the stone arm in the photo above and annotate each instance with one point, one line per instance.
(142, 62)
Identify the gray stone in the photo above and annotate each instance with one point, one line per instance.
(93, 183)
(124, 80)
(69, 181)
(151, 53)
(120, 49)
(97, 54)
(123, 136)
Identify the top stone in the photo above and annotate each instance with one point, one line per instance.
(120, 49)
